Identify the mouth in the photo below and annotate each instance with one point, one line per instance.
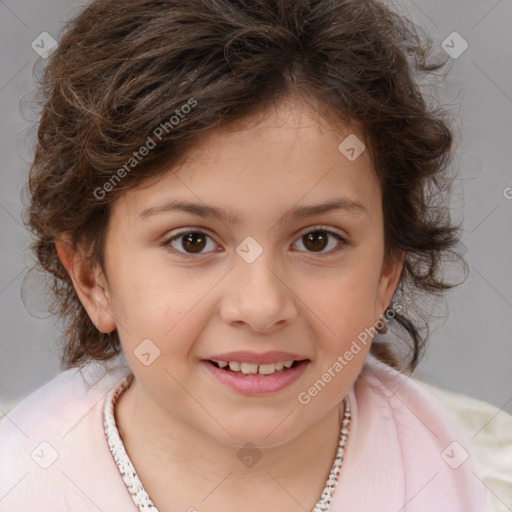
(253, 379)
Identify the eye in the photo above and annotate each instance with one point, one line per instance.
(193, 242)
(317, 240)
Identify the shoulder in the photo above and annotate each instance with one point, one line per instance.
(489, 430)
(54, 438)
(407, 448)
(57, 404)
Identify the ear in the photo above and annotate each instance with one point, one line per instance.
(90, 284)
(388, 282)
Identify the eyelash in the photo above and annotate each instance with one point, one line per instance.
(322, 229)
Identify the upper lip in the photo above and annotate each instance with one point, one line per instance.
(245, 356)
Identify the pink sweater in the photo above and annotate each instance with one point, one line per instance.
(404, 452)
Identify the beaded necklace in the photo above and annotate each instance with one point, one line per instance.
(134, 485)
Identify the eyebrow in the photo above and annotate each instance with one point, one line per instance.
(298, 212)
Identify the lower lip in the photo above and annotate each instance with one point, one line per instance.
(256, 384)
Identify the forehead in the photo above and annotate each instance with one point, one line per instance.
(285, 156)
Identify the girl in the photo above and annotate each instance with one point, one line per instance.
(236, 199)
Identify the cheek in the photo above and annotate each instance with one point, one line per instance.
(156, 303)
(344, 302)
(341, 309)
(139, 297)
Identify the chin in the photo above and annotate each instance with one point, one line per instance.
(268, 434)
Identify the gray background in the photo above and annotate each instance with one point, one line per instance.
(470, 351)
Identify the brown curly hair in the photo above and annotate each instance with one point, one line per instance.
(121, 68)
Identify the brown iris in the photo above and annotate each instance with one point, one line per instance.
(315, 237)
(194, 242)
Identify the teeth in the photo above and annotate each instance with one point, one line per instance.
(233, 365)
(248, 368)
(267, 369)
(251, 368)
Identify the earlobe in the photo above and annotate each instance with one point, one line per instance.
(89, 283)
(388, 283)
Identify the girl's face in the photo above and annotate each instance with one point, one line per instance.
(268, 269)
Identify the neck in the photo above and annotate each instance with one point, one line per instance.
(177, 452)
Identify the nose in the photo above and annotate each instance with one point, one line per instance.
(258, 296)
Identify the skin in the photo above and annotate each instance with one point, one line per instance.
(181, 427)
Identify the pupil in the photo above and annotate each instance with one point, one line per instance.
(191, 238)
(314, 237)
